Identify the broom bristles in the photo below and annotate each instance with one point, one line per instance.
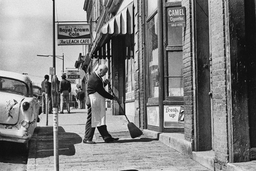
(134, 130)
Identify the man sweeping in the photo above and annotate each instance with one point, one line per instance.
(96, 109)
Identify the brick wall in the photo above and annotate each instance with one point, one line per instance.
(187, 72)
(218, 79)
(139, 63)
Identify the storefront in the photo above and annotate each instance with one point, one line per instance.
(164, 23)
(114, 43)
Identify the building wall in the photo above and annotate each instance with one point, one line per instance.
(218, 68)
(188, 72)
(218, 79)
(139, 62)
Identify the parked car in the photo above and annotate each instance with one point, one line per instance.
(37, 92)
(18, 108)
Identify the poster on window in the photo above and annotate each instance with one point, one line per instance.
(176, 16)
(171, 113)
(153, 116)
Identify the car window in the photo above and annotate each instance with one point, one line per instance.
(13, 86)
(36, 90)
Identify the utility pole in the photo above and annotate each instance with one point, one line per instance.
(54, 101)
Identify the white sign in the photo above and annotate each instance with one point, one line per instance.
(176, 16)
(72, 75)
(74, 34)
(171, 113)
(153, 116)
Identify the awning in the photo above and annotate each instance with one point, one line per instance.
(120, 24)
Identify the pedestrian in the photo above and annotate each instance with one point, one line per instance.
(96, 106)
(65, 89)
(46, 91)
(80, 96)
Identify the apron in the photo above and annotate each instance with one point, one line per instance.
(98, 109)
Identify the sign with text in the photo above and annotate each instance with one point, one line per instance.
(176, 16)
(72, 75)
(171, 113)
(73, 34)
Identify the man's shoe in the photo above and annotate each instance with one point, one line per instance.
(88, 142)
(115, 139)
(61, 112)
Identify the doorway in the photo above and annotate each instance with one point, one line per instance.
(203, 113)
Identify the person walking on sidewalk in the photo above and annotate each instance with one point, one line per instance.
(65, 89)
(46, 90)
(96, 106)
(80, 96)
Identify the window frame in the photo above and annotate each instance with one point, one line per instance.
(170, 48)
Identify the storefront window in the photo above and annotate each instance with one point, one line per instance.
(152, 6)
(129, 79)
(175, 79)
(152, 55)
(174, 61)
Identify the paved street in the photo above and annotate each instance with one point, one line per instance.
(140, 154)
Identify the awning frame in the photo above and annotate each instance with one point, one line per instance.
(120, 24)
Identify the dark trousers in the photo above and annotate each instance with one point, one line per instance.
(89, 130)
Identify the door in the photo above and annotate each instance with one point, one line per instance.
(203, 115)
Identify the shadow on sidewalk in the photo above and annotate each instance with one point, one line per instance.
(136, 140)
(41, 144)
(133, 140)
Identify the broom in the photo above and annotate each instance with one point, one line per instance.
(133, 129)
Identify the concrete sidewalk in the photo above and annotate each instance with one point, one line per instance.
(145, 153)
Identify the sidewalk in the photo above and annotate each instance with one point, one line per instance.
(143, 154)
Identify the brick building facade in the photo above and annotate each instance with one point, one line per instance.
(203, 68)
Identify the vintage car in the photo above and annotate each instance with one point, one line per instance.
(18, 108)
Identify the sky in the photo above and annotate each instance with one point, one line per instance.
(26, 30)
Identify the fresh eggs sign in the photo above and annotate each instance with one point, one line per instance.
(73, 34)
(176, 16)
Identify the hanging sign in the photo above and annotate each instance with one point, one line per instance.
(73, 34)
(176, 16)
(72, 75)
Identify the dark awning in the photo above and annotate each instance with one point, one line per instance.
(120, 24)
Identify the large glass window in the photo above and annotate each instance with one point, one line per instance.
(152, 6)
(175, 78)
(152, 55)
(174, 62)
(129, 79)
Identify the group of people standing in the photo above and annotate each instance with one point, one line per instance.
(64, 89)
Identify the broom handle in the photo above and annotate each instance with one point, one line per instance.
(119, 103)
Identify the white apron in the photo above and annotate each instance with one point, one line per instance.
(98, 109)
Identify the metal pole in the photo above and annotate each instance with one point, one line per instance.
(63, 63)
(54, 95)
(46, 108)
(161, 63)
(53, 55)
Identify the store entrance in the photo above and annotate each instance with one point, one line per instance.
(203, 113)
(251, 73)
